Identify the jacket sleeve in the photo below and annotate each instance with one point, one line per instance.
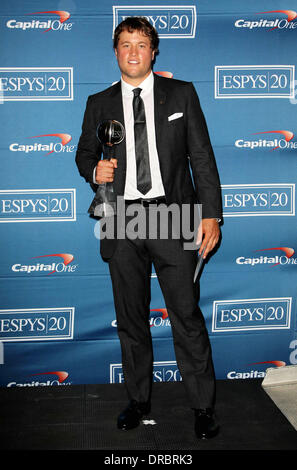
(89, 149)
(202, 160)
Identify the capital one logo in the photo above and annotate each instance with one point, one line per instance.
(56, 24)
(275, 259)
(55, 267)
(158, 318)
(252, 374)
(276, 139)
(52, 147)
(61, 377)
(285, 21)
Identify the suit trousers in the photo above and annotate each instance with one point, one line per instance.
(130, 269)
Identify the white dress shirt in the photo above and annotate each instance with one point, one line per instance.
(147, 95)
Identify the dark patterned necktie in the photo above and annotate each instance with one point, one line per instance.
(144, 182)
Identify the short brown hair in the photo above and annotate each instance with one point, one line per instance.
(138, 23)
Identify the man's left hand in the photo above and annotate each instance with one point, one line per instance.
(209, 234)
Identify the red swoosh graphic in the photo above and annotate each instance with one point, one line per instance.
(61, 375)
(67, 258)
(63, 15)
(165, 74)
(288, 251)
(276, 363)
(287, 134)
(161, 310)
(291, 14)
(65, 138)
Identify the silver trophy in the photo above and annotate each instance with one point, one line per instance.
(109, 133)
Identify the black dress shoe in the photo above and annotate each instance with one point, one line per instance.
(205, 424)
(131, 416)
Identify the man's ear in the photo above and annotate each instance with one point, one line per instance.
(116, 53)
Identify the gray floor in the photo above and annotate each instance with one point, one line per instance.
(281, 386)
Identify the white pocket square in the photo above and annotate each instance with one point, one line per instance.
(175, 116)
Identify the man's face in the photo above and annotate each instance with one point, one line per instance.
(134, 55)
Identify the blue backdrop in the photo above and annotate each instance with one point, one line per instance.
(57, 320)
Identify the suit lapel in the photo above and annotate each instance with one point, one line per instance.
(160, 111)
(115, 103)
(116, 111)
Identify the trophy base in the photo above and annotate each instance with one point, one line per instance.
(105, 209)
(104, 203)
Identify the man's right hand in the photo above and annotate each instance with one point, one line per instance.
(105, 170)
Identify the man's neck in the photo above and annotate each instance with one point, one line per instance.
(135, 82)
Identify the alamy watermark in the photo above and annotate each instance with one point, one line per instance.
(293, 99)
(156, 221)
(1, 352)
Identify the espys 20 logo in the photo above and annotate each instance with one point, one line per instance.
(285, 21)
(251, 314)
(262, 199)
(170, 21)
(37, 324)
(44, 24)
(37, 205)
(36, 83)
(254, 81)
(163, 371)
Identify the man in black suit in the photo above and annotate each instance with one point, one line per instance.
(166, 134)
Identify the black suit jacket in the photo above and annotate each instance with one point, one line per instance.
(187, 162)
